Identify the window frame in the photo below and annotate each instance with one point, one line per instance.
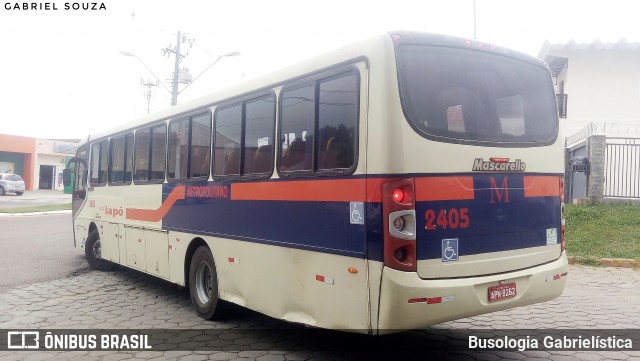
(110, 162)
(242, 102)
(100, 155)
(149, 127)
(189, 118)
(317, 79)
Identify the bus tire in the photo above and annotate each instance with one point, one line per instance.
(93, 252)
(203, 285)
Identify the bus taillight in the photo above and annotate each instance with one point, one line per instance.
(398, 206)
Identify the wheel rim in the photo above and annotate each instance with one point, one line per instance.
(97, 250)
(204, 283)
(1, 191)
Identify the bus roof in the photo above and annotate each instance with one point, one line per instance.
(373, 46)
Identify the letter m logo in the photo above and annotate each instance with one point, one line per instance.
(499, 192)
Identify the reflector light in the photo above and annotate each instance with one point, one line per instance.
(398, 223)
(396, 37)
(398, 195)
(400, 254)
(416, 300)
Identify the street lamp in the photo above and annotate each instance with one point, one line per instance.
(174, 91)
(126, 53)
(233, 53)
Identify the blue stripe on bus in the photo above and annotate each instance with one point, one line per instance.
(325, 226)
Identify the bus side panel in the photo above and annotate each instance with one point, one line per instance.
(295, 285)
(300, 259)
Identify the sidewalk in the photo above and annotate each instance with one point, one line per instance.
(35, 198)
(39, 194)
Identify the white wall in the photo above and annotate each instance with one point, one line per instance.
(603, 86)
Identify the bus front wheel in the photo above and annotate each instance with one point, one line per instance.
(203, 285)
(93, 252)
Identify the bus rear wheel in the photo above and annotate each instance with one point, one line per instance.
(93, 252)
(203, 285)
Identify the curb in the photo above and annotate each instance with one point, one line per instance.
(35, 213)
(605, 262)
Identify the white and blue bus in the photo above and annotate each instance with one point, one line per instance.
(403, 181)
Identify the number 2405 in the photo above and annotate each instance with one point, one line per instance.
(453, 218)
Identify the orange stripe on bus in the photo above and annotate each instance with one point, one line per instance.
(155, 215)
(444, 188)
(541, 186)
(349, 190)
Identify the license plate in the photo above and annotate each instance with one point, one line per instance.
(501, 292)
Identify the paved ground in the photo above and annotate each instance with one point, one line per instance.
(607, 298)
(40, 248)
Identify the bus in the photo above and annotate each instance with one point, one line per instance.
(403, 181)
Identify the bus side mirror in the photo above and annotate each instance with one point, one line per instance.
(66, 177)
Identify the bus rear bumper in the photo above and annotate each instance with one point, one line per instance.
(409, 302)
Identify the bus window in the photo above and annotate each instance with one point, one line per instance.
(150, 154)
(334, 146)
(142, 155)
(244, 137)
(258, 135)
(99, 163)
(178, 149)
(298, 118)
(121, 159)
(200, 146)
(228, 134)
(458, 94)
(158, 152)
(337, 118)
(189, 147)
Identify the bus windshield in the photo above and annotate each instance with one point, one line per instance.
(470, 96)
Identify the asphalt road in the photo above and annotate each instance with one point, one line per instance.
(37, 248)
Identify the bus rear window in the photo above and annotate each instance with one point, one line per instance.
(469, 96)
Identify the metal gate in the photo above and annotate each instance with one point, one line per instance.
(622, 168)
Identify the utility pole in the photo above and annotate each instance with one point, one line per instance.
(179, 76)
(176, 68)
(148, 93)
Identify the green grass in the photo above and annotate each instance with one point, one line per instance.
(50, 207)
(603, 231)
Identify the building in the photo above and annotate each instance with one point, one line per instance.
(18, 155)
(598, 91)
(52, 157)
(39, 162)
(595, 83)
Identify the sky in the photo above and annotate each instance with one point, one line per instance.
(62, 74)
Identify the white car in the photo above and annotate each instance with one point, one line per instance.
(11, 183)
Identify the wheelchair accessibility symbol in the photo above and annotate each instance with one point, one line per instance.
(356, 212)
(449, 250)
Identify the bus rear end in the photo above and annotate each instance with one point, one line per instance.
(471, 197)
